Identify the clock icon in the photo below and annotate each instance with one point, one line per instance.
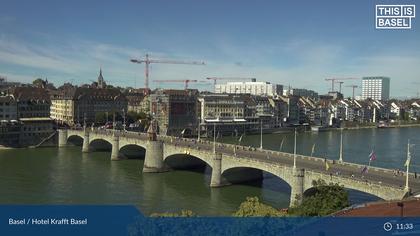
(387, 226)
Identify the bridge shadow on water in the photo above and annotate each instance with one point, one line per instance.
(100, 145)
(133, 152)
(187, 163)
(256, 178)
(75, 141)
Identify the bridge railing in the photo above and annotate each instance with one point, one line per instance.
(324, 175)
(133, 134)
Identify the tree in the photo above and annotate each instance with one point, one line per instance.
(252, 207)
(325, 200)
(39, 83)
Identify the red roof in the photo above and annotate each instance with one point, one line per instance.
(387, 208)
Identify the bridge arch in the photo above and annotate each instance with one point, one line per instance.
(126, 145)
(369, 188)
(133, 151)
(186, 161)
(243, 174)
(75, 139)
(99, 144)
(283, 173)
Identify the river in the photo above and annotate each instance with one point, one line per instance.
(68, 176)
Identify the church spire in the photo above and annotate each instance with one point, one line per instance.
(101, 81)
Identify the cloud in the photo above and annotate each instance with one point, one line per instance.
(6, 20)
(300, 63)
(18, 77)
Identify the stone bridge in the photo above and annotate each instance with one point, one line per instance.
(232, 164)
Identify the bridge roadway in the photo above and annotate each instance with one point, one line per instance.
(377, 181)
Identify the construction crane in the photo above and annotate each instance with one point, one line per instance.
(147, 61)
(215, 79)
(353, 87)
(340, 83)
(333, 81)
(185, 81)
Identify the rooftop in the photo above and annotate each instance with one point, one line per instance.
(410, 207)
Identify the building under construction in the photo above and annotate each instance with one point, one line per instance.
(175, 111)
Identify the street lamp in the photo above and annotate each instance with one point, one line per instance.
(113, 123)
(123, 111)
(294, 153)
(214, 137)
(84, 122)
(407, 164)
(261, 136)
(341, 146)
(198, 129)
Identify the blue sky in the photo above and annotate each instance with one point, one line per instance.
(296, 43)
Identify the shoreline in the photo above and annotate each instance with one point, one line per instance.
(376, 127)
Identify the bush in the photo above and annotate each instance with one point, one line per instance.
(326, 199)
(252, 207)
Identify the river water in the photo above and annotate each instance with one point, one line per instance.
(68, 176)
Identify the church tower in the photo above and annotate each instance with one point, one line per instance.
(101, 81)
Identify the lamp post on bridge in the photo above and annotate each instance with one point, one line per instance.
(341, 146)
(214, 137)
(199, 131)
(261, 136)
(124, 125)
(407, 164)
(113, 124)
(294, 153)
(84, 122)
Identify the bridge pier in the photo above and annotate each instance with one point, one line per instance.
(115, 148)
(62, 137)
(153, 161)
(297, 187)
(85, 147)
(216, 173)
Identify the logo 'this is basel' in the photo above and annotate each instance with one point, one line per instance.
(394, 16)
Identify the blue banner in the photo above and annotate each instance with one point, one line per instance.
(127, 220)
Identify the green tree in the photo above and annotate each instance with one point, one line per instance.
(38, 82)
(326, 199)
(252, 207)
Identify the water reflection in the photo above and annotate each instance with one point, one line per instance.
(66, 175)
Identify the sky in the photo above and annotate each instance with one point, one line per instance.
(294, 43)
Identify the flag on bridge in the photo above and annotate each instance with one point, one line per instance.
(313, 150)
(365, 170)
(407, 162)
(372, 156)
(327, 166)
(240, 138)
(281, 144)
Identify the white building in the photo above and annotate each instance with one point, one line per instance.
(376, 88)
(301, 93)
(253, 88)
